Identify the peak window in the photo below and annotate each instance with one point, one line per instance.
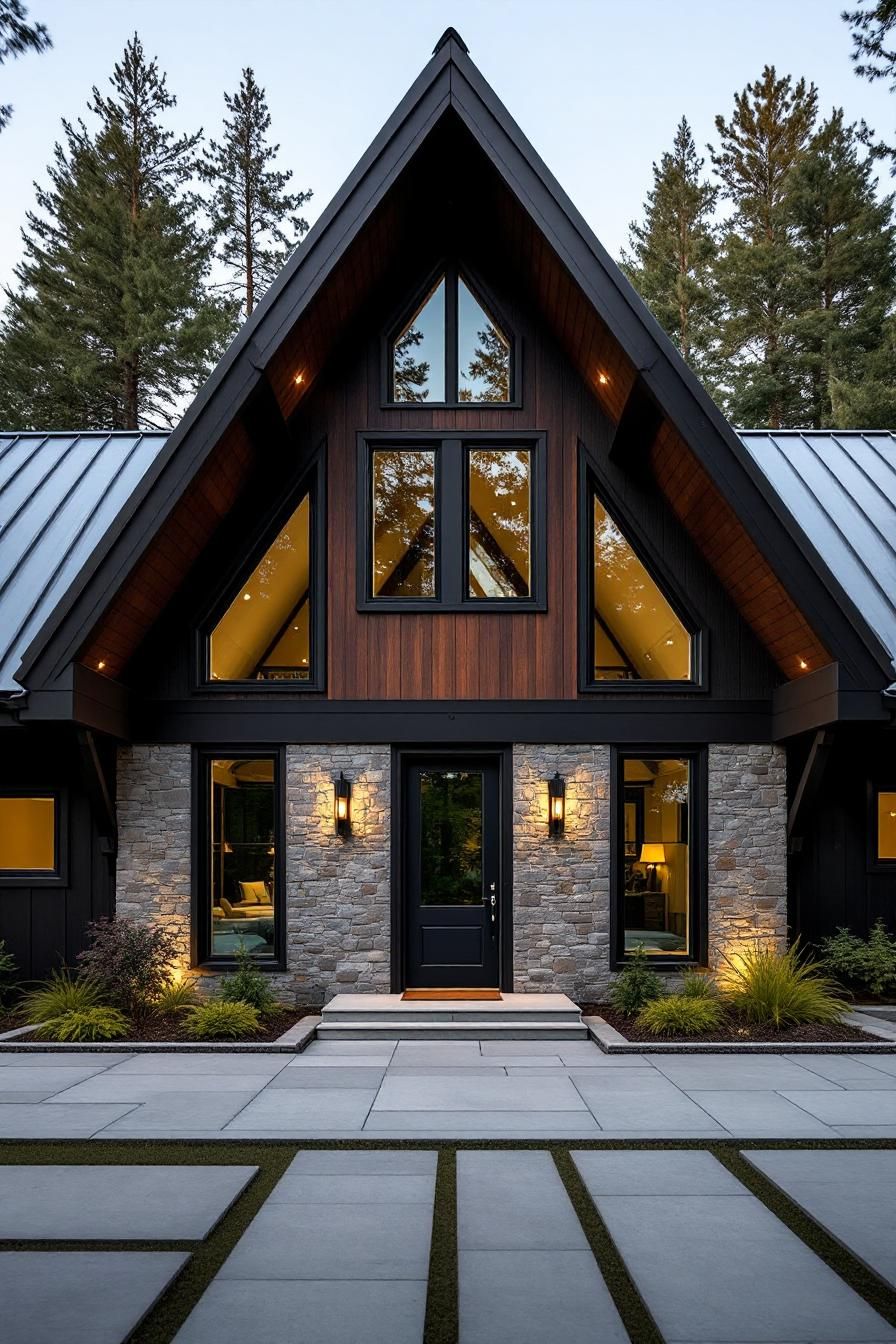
(452, 350)
(451, 524)
(634, 632)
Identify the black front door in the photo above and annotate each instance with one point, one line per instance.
(452, 877)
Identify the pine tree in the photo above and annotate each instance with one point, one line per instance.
(17, 36)
(253, 215)
(673, 249)
(844, 239)
(874, 55)
(759, 148)
(110, 324)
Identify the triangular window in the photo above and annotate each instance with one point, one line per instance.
(266, 632)
(636, 633)
(451, 349)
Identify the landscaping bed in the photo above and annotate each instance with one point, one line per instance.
(158, 1029)
(733, 1031)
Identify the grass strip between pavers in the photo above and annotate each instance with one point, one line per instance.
(273, 1156)
(441, 1325)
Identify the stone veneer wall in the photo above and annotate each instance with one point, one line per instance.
(338, 891)
(561, 904)
(747, 846)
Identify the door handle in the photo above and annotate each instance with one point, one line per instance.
(493, 901)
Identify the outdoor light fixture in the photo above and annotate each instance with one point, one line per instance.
(343, 802)
(556, 804)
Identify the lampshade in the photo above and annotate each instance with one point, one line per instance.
(653, 854)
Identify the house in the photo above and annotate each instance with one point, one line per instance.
(453, 637)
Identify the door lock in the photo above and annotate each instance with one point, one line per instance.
(493, 900)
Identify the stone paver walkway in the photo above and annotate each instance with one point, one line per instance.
(460, 1089)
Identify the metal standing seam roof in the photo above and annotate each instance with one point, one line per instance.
(839, 486)
(59, 495)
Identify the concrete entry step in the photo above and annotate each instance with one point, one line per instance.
(517, 1017)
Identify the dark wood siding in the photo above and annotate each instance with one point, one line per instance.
(43, 925)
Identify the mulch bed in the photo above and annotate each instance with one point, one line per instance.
(735, 1030)
(172, 1028)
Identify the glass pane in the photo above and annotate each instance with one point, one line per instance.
(450, 837)
(404, 523)
(243, 857)
(483, 352)
(265, 634)
(886, 825)
(637, 635)
(418, 356)
(499, 523)
(28, 834)
(656, 870)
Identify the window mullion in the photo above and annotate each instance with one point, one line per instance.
(451, 338)
(452, 522)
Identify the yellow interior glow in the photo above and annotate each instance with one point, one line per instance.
(28, 834)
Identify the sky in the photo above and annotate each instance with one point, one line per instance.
(598, 86)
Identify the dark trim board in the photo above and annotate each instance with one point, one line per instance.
(503, 756)
(409, 722)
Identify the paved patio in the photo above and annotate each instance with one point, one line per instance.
(459, 1089)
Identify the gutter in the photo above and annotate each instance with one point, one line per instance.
(11, 702)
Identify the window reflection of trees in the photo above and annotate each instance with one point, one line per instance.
(500, 526)
(403, 523)
(451, 837)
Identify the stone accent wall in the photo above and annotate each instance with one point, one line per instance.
(338, 890)
(561, 905)
(153, 867)
(747, 846)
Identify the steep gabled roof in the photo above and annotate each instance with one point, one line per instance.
(59, 495)
(839, 487)
(451, 88)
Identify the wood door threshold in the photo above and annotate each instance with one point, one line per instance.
(447, 995)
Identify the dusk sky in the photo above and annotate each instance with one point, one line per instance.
(597, 85)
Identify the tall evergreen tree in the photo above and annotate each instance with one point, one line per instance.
(874, 54)
(253, 215)
(110, 324)
(844, 241)
(673, 248)
(759, 148)
(17, 36)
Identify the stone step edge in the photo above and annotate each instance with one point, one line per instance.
(612, 1042)
(351, 1017)
(519, 1031)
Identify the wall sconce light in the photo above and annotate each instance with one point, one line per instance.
(652, 855)
(556, 804)
(343, 805)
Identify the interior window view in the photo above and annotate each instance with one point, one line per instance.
(499, 492)
(637, 635)
(265, 633)
(404, 523)
(28, 835)
(451, 331)
(242, 856)
(655, 870)
(886, 825)
(450, 837)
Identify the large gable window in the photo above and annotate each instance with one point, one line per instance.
(449, 523)
(451, 349)
(269, 627)
(635, 634)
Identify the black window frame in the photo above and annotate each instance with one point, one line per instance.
(452, 448)
(42, 877)
(311, 482)
(698, 854)
(201, 956)
(591, 485)
(452, 271)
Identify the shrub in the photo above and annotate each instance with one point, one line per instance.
(85, 1024)
(781, 989)
(247, 984)
(7, 971)
(175, 997)
(222, 1021)
(132, 962)
(870, 962)
(61, 993)
(635, 985)
(696, 984)
(680, 1015)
